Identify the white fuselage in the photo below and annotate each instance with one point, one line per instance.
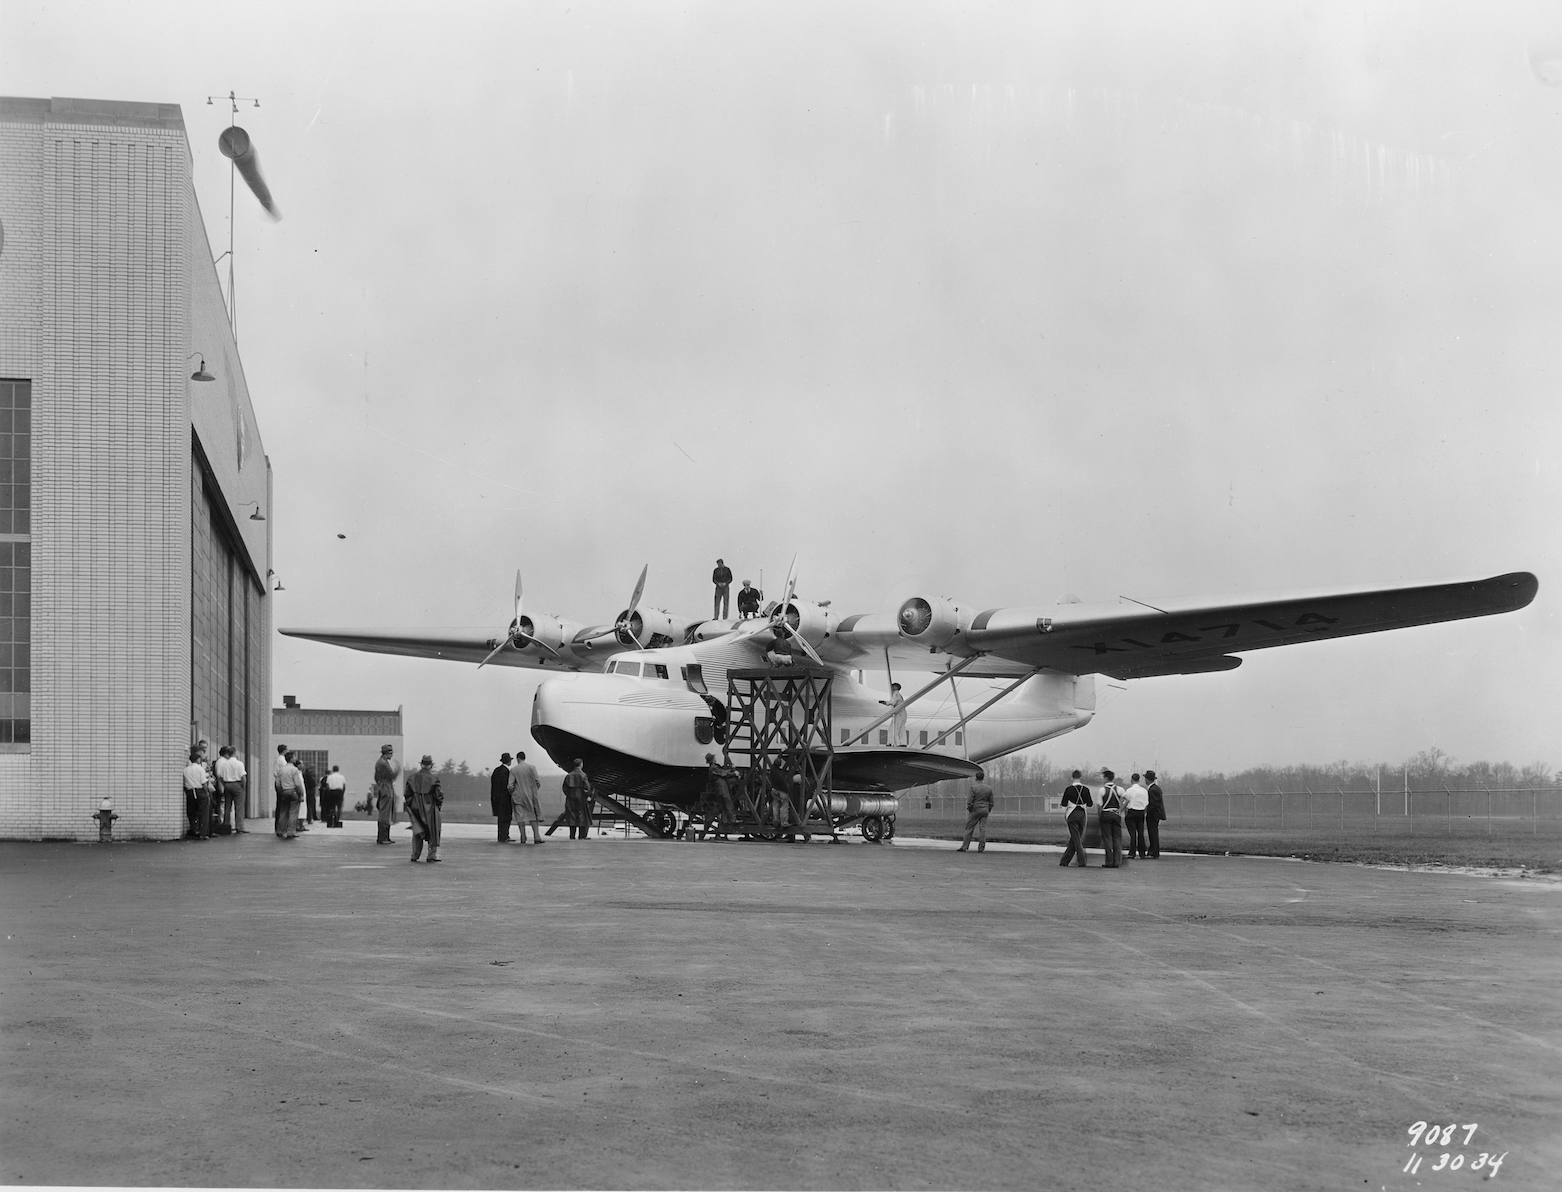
(643, 707)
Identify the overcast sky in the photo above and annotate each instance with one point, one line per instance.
(993, 301)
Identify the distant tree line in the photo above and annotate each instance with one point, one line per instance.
(1431, 769)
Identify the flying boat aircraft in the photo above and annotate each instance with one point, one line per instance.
(640, 700)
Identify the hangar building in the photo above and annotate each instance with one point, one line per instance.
(135, 500)
(349, 738)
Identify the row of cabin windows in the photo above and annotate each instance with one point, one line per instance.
(847, 736)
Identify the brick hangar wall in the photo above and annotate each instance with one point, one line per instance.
(102, 236)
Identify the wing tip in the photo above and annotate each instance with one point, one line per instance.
(1514, 591)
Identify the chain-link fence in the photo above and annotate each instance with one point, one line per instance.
(1532, 811)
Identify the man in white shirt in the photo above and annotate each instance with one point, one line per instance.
(197, 791)
(290, 793)
(230, 786)
(1137, 800)
(335, 792)
(276, 784)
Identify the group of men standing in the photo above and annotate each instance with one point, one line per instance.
(1141, 808)
(214, 792)
(512, 791)
(303, 797)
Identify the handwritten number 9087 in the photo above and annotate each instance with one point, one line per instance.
(1439, 1135)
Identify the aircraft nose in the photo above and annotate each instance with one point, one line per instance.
(548, 703)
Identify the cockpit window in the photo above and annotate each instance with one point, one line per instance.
(631, 669)
(655, 670)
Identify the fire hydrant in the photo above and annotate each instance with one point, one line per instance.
(106, 817)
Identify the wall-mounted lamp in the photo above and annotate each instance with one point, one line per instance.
(279, 587)
(257, 515)
(200, 374)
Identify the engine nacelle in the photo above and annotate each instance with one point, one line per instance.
(704, 631)
(811, 621)
(549, 630)
(652, 627)
(932, 621)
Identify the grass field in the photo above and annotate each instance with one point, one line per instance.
(1468, 845)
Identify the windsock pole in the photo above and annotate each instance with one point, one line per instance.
(233, 119)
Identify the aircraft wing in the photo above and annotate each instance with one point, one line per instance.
(455, 645)
(1133, 641)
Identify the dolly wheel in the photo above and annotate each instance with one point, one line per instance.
(889, 827)
(873, 829)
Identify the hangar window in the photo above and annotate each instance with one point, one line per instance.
(924, 736)
(846, 736)
(884, 736)
(16, 567)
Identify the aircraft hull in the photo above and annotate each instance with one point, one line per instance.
(640, 739)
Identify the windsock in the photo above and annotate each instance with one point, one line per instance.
(235, 143)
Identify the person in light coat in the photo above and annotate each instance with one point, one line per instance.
(424, 800)
(524, 787)
(386, 771)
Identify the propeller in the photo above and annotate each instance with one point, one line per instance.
(514, 636)
(779, 625)
(624, 626)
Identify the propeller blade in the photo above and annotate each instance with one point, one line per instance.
(523, 640)
(494, 653)
(634, 601)
(807, 649)
(517, 597)
(789, 588)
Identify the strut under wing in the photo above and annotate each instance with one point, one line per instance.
(1185, 637)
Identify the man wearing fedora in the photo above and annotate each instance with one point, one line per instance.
(383, 802)
(499, 798)
(424, 799)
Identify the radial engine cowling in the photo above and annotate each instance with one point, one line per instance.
(549, 630)
(652, 628)
(813, 622)
(932, 621)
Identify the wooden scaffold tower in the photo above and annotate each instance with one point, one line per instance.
(779, 737)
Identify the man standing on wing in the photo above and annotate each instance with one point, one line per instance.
(1076, 797)
(979, 805)
(722, 578)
